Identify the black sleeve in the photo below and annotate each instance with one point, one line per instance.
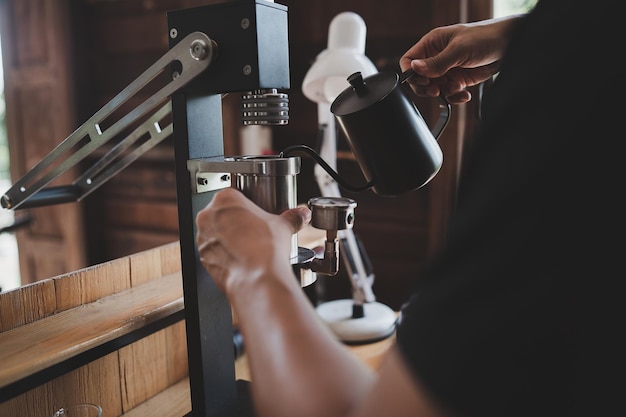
(506, 321)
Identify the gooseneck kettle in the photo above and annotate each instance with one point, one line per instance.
(392, 143)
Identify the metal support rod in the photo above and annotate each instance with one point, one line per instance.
(193, 54)
(253, 37)
(207, 312)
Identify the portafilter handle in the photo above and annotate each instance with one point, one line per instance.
(330, 214)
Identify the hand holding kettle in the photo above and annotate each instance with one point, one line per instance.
(395, 149)
(446, 65)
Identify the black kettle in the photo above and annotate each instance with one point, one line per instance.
(394, 147)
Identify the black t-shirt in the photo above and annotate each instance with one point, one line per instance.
(517, 315)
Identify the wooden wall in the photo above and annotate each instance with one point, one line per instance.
(40, 112)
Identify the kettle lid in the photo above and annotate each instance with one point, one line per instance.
(363, 93)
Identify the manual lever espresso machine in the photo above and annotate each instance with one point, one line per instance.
(239, 46)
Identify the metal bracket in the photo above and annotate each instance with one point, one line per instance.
(192, 56)
(211, 181)
(211, 174)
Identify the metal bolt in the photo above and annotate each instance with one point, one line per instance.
(173, 33)
(199, 50)
(245, 23)
(5, 200)
(175, 75)
(247, 69)
(225, 178)
(202, 181)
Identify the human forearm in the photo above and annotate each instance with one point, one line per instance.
(288, 347)
(297, 366)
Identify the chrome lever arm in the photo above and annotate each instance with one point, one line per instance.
(193, 54)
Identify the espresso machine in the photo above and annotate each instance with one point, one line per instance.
(235, 47)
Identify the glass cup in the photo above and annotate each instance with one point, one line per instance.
(79, 410)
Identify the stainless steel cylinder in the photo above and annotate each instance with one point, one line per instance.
(270, 182)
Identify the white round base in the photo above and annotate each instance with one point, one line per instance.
(378, 322)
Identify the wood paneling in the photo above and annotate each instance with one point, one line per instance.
(57, 319)
(37, 53)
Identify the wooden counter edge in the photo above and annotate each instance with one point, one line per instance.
(71, 332)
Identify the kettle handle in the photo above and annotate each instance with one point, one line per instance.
(444, 107)
(444, 117)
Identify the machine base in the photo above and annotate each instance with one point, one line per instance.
(378, 321)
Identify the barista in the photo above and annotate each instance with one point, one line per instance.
(509, 319)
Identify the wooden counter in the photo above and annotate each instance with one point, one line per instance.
(111, 334)
(371, 354)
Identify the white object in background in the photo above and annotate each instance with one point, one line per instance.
(361, 319)
(256, 140)
(344, 55)
(377, 323)
(9, 256)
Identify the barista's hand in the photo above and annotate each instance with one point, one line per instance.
(239, 243)
(449, 59)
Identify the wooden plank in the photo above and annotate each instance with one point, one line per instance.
(160, 261)
(69, 333)
(175, 401)
(26, 304)
(90, 284)
(100, 382)
(144, 266)
(152, 364)
(176, 352)
(141, 370)
(170, 258)
(97, 382)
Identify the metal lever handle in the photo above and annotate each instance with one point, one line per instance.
(193, 55)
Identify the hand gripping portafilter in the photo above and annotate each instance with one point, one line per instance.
(270, 182)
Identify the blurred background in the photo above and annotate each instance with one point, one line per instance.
(64, 60)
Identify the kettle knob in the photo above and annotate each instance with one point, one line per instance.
(357, 82)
